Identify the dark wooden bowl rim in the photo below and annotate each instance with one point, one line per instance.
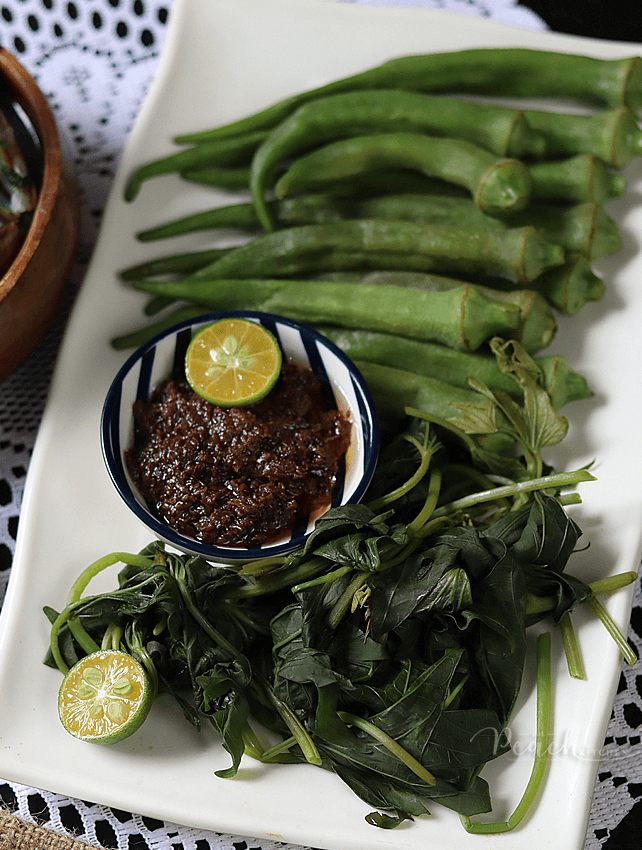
(26, 92)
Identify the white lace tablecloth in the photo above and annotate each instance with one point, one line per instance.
(94, 60)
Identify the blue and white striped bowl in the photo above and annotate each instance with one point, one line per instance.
(165, 353)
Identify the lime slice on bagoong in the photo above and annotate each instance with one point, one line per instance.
(233, 362)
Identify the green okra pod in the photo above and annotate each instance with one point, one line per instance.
(455, 367)
(308, 209)
(567, 288)
(537, 325)
(575, 180)
(520, 72)
(156, 304)
(520, 254)
(344, 116)
(499, 186)
(572, 180)
(235, 216)
(320, 208)
(585, 228)
(613, 135)
(141, 335)
(386, 181)
(561, 382)
(220, 178)
(535, 329)
(184, 263)
(572, 286)
(501, 130)
(394, 389)
(220, 152)
(463, 317)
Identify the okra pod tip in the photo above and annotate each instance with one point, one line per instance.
(625, 139)
(504, 188)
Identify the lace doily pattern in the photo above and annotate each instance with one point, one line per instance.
(94, 59)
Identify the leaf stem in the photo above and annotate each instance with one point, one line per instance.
(293, 723)
(112, 636)
(444, 423)
(390, 744)
(542, 747)
(539, 604)
(81, 635)
(83, 638)
(342, 604)
(426, 456)
(205, 624)
(606, 585)
(327, 578)
(451, 696)
(253, 747)
(561, 479)
(542, 604)
(262, 565)
(282, 747)
(609, 623)
(434, 488)
(571, 647)
(137, 648)
(101, 564)
(566, 499)
(280, 579)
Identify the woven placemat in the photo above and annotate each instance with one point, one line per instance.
(17, 834)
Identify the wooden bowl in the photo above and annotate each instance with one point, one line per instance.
(30, 290)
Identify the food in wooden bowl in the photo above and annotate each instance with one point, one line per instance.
(39, 213)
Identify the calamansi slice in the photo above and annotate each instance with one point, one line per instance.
(233, 362)
(105, 697)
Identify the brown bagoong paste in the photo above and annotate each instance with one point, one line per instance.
(237, 475)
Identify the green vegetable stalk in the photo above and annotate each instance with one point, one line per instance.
(222, 178)
(613, 135)
(451, 366)
(185, 263)
(133, 339)
(575, 180)
(570, 287)
(498, 72)
(217, 153)
(499, 185)
(542, 747)
(536, 327)
(584, 228)
(463, 318)
(520, 255)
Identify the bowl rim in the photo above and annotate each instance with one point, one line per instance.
(110, 438)
(27, 93)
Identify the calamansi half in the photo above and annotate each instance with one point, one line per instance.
(233, 362)
(105, 697)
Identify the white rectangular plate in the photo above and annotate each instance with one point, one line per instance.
(224, 59)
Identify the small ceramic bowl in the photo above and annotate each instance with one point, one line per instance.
(162, 355)
(32, 286)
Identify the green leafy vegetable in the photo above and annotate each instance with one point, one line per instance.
(391, 648)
